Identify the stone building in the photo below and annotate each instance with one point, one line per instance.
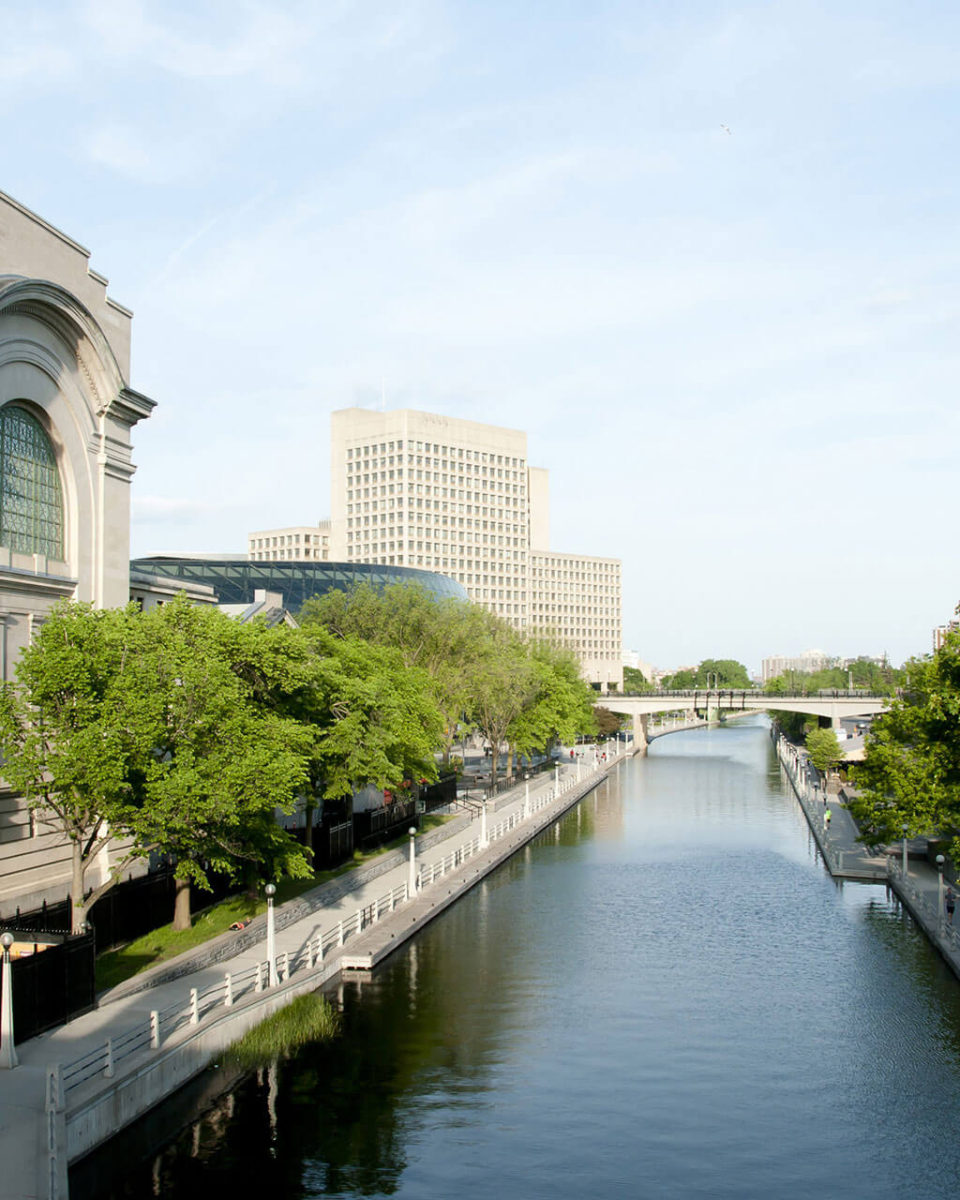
(66, 414)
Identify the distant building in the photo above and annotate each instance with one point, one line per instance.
(941, 631)
(633, 660)
(265, 606)
(234, 580)
(805, 663)
(459, 497)
(298, 543)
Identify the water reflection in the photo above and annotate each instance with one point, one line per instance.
(663, 996)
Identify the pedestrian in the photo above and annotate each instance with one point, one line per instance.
(826, 817)
(950, 900)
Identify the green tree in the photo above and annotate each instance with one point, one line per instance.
(374, 720)
(911, 772)
(505, 683)
(560, 708)
(636, 682)
(823, 748)
(681, 681)
(220, 756)
(722, 672)
(69, 743)
(442, 638)
(608, 723)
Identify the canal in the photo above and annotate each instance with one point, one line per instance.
(663, 996)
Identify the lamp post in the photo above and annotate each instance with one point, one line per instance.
(8, 1055)
(484, 840)
(412, 877)
(271, 891)
(904, 827)
(940, 861)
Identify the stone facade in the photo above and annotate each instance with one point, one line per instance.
(66, 413)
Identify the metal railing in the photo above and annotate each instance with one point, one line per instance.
(191, 1009)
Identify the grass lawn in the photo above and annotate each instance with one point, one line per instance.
(114, 966)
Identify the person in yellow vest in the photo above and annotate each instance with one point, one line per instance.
(826, 817)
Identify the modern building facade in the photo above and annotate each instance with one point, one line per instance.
(297, 543)
(806, 663)
(232, 580)
(459, 497)
(577, 598)
(66, 415)
(419, 490)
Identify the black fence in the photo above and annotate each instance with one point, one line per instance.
(332, 843)
(439, 794)
(378, 825)
(53, 984)
(130, 909)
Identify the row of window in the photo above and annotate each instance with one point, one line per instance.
(441, 452)
(286, 539)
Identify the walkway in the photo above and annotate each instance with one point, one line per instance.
(80, 1083)
(919, 889)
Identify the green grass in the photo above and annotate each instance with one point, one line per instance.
(310, 1018)
(114, 966)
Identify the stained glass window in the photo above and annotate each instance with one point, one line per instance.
(31, 496)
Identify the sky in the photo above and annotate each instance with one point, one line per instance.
(704, 254)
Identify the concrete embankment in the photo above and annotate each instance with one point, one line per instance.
(80, 1084)
(919, 889)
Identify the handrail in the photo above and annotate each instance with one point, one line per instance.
(234, 986)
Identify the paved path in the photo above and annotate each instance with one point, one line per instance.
(27, 1127)
(919, 890)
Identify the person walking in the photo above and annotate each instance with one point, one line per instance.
(950, 900)
(827, 814)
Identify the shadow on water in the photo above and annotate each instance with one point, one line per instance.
(664, 995)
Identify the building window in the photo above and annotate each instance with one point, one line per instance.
(31, 496)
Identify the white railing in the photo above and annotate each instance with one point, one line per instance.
(928, 910)
(163, 1023)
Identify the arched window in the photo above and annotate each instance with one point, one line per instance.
(31, 497)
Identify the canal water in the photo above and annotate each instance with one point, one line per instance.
(664, 996)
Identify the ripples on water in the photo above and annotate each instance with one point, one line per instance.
(665, 996)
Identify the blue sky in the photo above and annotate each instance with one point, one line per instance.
(737, 353)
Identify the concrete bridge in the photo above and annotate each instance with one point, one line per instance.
(831, 705)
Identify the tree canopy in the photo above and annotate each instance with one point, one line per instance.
(823, 748)
(911, 773)
(481, 674)
(711, 673)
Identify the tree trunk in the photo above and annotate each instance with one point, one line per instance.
(78, 908)
(181, 905)
(251, 883)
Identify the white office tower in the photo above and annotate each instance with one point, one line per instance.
(459, 497)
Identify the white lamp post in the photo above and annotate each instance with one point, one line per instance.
(412, 877)
(940, 861)
(8, 1055)
(484, 842)
(271, 891)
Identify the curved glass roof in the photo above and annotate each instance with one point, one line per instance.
(236, 579)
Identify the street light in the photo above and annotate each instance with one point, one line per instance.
(940, 861)
(8, 1055)
(412, 878)
(271, 891)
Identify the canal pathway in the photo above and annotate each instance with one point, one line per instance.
(665, 995)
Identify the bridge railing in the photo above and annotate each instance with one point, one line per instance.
(763, 699)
